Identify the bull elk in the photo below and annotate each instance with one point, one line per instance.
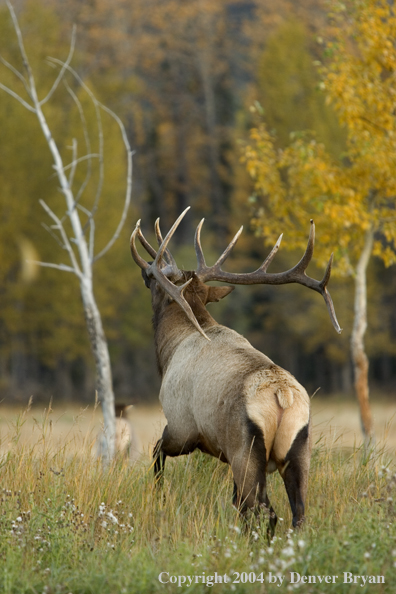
(218, 393)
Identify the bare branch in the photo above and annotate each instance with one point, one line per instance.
(92, 239)
(101, 166)
(130, 153)
(87, 143)
(63, 69)
(73, 164)
(128, 192)
(17, 73)
(81, 159)
(20, 41)
(63, 267)
(18, 98)
(53, 235)
(65, 238)
(91, 222)
(100, 136)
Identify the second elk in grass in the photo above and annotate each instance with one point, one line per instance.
(127, 445)
(219, 394)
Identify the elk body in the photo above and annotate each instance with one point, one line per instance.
(127, 443)
(218, 393)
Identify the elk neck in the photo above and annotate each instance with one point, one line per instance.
(171, 325)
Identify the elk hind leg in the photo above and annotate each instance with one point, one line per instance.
(250, 484)
(294, 472)
(252, 495)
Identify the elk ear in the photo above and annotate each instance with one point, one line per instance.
(217, 293)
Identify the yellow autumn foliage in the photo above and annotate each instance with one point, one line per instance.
(349, 194)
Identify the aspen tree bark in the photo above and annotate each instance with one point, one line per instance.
(359, 357)
(104, 381)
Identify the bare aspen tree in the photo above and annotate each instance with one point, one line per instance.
(79, 248)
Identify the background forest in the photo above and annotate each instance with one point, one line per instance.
(183, 77)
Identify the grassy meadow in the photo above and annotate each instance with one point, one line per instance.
(70, 525)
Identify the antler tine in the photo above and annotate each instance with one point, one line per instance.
(198, 249)
(319, 286)
(327, 273)
(168, 237)
(307, 257)
(331, 310)
(327, 296)
(203, 271)
(271, 255)
(149, 249)
(138, 259)
(158, 232)
(168, 255)
(228, 249)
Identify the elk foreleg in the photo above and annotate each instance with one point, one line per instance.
(159, 457)
(169, 446)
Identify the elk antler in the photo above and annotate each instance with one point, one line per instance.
(261, 276)
(154, 269)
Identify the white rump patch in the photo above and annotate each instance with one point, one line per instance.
(279, 405)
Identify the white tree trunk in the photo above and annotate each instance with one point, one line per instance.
(91, 311)
(359, 357)
(104, 382)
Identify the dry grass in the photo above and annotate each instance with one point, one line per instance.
(69, 524)
(336, 421)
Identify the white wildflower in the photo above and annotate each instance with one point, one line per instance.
(112, 517)
(288, 552)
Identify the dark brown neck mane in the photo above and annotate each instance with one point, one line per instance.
(171, 325)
